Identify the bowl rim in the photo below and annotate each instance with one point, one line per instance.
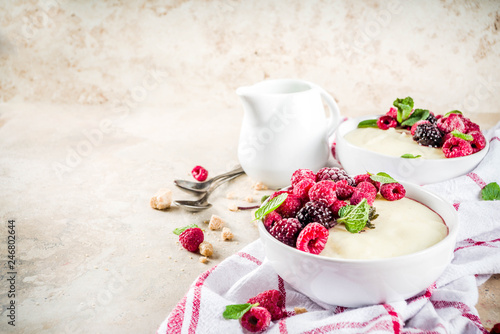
(340, 137)
(452, 234)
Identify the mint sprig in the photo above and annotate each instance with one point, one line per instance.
(383, 178)
(368, 123)
(416, 115)
(263, 198)
(179, 230)
(237, 311)
(410, 156)
(354, 217)
(491, 192)
(452, 112)
(461, 135)
(405, 107)
(270, 205)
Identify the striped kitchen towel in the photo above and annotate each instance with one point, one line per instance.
(447, 306)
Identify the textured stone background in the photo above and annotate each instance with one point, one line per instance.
(445, 54)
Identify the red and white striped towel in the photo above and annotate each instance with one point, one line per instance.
(447, 306)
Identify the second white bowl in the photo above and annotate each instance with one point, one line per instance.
(356, 160)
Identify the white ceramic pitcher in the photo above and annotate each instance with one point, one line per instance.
(284, 128)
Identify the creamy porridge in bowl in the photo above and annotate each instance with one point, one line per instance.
(377, 248)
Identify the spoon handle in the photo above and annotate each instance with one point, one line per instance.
(218, 183)
(235, 171)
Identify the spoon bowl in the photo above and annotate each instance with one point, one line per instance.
(202, 203)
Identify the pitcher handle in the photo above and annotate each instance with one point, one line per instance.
(334, 109)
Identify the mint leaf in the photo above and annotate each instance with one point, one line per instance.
(368, 123)
(270, 205)
(452, 112)
(179, 230)
(464, 136)
(263, 198)
(491, 192)
(417, 115)
(354, 217)
(383, 178)
(410, 156)
(236, 311)
(404, 108)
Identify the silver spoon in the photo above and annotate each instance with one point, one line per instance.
(202, 203)
(202, 187)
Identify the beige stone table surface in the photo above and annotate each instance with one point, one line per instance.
(92, 256)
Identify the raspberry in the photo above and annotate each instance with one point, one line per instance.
(316, 212)
(336, 207)
(428, 134)
(272, 300)
(290, 206)
(367, 187)
(386, 122)
(364, 190)
(447, 136)
(478, 141)
(257, 319)
(270, 219)
(392, 191)
(344, 190)
(495, 329)
(333, 174)
(414, 126)
(313, 238)
(470, 125)
(301, 174)
(366, 178)
(456, 147)
(199, 173)
(277, 193)
(191, 239)
(286, 231)
(393, 112)
(450, 123)
(324, 191)
(301, 189)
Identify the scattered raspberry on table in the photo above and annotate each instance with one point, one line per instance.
(199, 173)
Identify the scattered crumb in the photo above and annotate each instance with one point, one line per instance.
(249, 199)
(215, 223)
(206, 221)
(162, 199)
(206, 249)
(203, 259)
(230, 195)
(259, 186)
(299, 310)
(227, 234)
(233, 207)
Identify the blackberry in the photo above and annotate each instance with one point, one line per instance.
(316, 212)
(286, 231)
(431, 118)
(428, 134)
(334, 174)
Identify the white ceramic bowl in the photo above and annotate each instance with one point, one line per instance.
(354, 283)
(356, 160)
